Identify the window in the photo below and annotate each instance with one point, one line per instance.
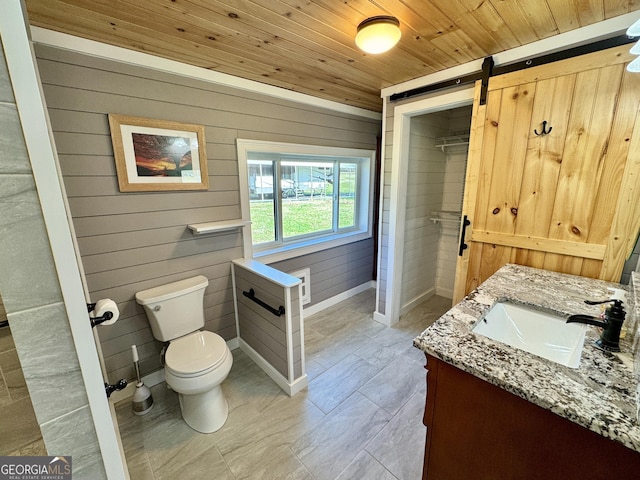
(304, 197)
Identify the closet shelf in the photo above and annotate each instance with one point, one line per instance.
(452, 141)
(217, 227)
(446, 217)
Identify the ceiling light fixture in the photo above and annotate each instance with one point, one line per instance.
(378, 34)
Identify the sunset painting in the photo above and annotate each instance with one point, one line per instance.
(158, 155)
(161, 156)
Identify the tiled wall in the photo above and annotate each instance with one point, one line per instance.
(34, 304)
(20, 430)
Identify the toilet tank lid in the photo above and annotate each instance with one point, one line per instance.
(170, 290)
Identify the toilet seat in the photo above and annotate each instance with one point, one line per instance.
(195, 354)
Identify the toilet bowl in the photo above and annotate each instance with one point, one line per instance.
(196, 361)
(195, 366)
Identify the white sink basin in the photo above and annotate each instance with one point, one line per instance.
(540, 333)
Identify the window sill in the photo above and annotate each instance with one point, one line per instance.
(311, 246)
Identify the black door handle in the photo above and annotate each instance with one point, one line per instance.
(463, 246)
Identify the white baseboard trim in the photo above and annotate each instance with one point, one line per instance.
(233, 343)
(289, 388)
(329, 302)
(417, 300)
(153, 379)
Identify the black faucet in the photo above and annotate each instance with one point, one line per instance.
(611, 324)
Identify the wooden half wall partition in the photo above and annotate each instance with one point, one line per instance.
(268, 305)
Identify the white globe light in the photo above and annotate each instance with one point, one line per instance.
(378, 34)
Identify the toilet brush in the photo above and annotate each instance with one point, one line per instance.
(142, 399)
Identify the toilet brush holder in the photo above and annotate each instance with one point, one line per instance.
(142, 399)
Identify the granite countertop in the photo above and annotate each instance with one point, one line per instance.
(600, 394)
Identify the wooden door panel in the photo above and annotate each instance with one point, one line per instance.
(584, 63)
(591, 268)
(544, 157)
(592, 113)
(610, 204)
(490, 142)
(566, 201)
(584, 161)
(484, 260)
(541, 244)
(542, 168)
(626, 221)
(471, 188)
(531, 258)
(508, 160)
(473, 273)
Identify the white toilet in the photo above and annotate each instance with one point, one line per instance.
(196, 362)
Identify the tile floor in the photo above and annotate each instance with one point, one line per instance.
(360, 418)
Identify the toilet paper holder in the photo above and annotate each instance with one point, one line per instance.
(98, 320)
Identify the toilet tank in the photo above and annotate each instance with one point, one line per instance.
(175, 309)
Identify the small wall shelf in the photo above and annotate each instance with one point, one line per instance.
(217, 227)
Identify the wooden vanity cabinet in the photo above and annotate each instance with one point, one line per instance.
(478, 431)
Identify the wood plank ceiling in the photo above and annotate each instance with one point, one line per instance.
(307, 45)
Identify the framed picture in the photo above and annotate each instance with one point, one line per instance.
(158, 155)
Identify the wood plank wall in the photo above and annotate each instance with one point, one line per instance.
(133, 241)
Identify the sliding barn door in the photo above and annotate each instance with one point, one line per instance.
(553, 173)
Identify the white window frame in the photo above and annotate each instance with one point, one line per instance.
(306, 245)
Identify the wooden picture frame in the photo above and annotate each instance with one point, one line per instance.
(158, 155)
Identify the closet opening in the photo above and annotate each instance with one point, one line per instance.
(436, 168)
